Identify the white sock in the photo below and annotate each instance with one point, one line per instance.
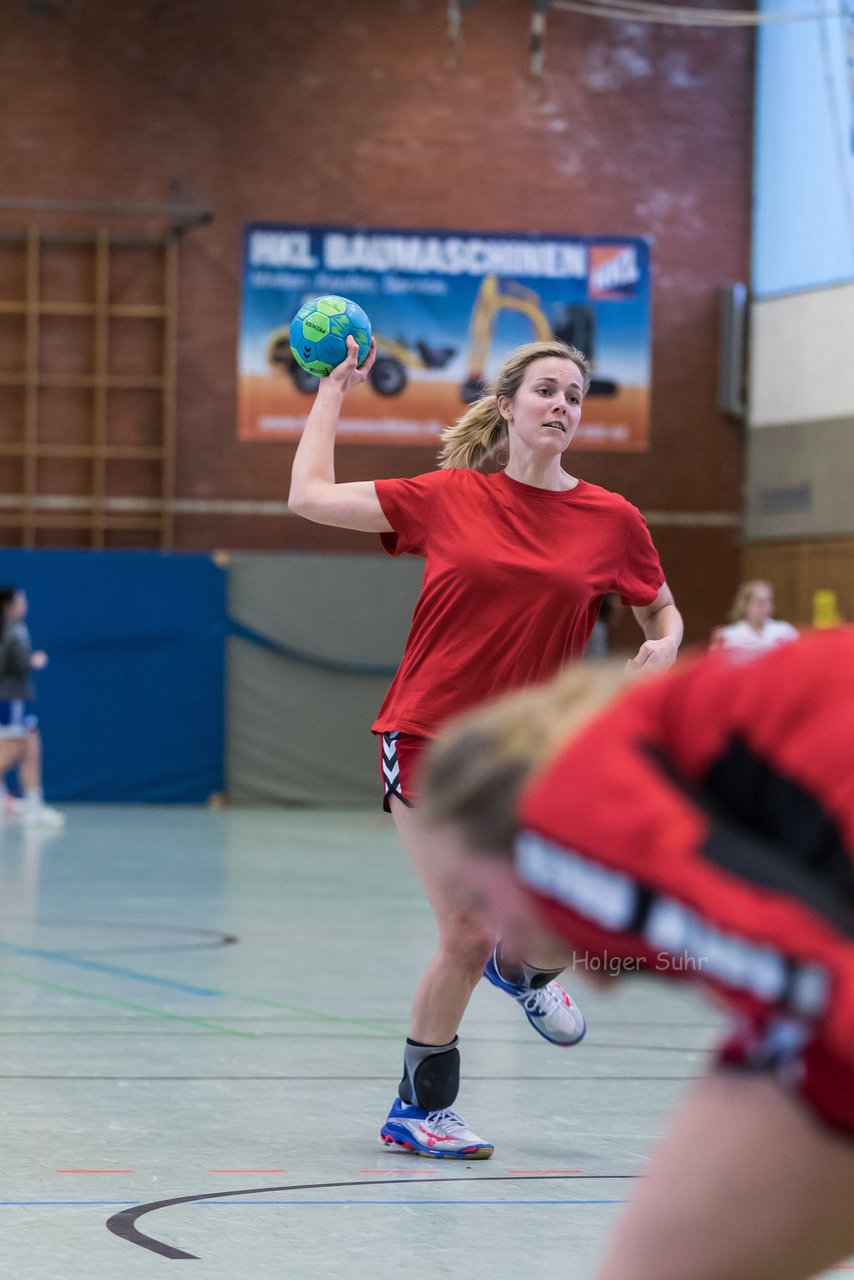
(34, 797)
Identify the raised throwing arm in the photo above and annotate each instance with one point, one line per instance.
(313, 492)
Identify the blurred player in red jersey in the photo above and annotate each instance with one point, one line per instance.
(699, 826)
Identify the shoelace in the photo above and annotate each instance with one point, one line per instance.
(545, 998)
(445, 1116)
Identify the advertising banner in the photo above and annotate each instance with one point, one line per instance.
(446, 308)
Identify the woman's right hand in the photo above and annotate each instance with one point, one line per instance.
(348, 374)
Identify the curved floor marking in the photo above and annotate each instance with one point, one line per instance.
(208, 939)
(123, 1224)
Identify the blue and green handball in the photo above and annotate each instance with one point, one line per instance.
(319, 332)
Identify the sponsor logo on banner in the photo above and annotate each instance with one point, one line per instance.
(614, 271)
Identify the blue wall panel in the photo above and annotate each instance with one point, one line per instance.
(803, 184)
(131, 705)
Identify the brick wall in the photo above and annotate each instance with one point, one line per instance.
(273, 110)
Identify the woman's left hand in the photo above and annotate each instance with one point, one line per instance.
(653, 655)
(38, 661)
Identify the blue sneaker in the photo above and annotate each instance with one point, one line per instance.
(548, 1009)
(440, 1135)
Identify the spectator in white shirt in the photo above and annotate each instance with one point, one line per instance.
(751, 624)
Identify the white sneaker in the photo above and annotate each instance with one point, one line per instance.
(12, 807)
(549, 1009)
(553, 1014)
(441, 1135)
(41, 815)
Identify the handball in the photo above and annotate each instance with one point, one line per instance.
(319, 332)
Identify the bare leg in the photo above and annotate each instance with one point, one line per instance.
(465, 945)
(31, 761)
(35, 810)
(550, 954)
(11, 750)
(745, 1186)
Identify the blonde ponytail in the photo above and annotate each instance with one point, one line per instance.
(477, 439)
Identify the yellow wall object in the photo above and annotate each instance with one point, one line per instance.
(825, 609)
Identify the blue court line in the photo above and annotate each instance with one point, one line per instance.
(63, 957)
(127, 1004)
(115, 970)
(424, 1204)
(292, 1204)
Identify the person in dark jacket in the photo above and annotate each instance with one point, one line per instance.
(20, 740)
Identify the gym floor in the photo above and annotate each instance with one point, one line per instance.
(201, 1017)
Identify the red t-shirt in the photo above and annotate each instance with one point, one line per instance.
(712, 812)
(511, 587)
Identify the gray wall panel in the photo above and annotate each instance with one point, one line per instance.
(800, 480)
(299, 733)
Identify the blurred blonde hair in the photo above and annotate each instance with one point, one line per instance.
(738, 612)
(474, 772)
(479, 438)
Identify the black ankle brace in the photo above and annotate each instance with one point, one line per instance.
(431, 1074)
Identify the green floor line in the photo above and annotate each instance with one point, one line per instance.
(383, 1027)
(128, 1004)
(315, 1015)
(140, 975)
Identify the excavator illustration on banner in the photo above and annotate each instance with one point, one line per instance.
(571, 322)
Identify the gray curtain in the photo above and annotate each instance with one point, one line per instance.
(315, 641)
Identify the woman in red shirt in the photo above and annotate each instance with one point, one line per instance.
(700, 828)
(517, 559)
